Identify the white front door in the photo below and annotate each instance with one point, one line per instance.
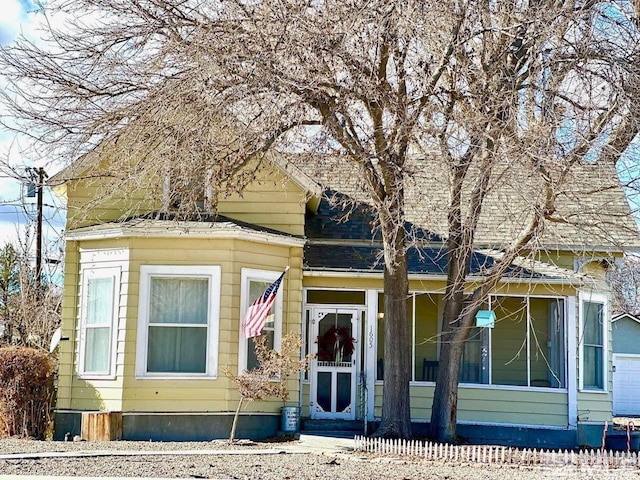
(333, 369)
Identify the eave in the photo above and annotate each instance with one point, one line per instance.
(176, 229)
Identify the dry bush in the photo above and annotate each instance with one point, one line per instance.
(269, 379)
(26, 392)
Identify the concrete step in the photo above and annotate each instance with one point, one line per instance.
(348, 427)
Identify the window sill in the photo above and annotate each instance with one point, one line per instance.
(593, 390)
(96, 376)
(177, 376)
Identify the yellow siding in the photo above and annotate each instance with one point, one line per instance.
(492, 405)
(127, 393)
(75, 392)
(66, 361)
(88, 202)
(540, 289)
(342, 283)
(594, 406)
(509, 406)
(559, 258)
(305, 410)
(272, 201)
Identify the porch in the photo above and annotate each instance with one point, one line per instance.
(513, 375)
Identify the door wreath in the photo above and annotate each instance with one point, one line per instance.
(336, 345)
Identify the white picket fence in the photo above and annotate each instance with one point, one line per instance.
(498, 454)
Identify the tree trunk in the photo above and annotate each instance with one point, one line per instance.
(232, 435)
(456, 325)
(396, 413)
(444, 412)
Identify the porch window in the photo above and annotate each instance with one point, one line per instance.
(509, 341)
(254, 284)
(425, 335)
(98, 321)
(527, 344)
(593, 342)
(475, 365)
(525, 348)
(178, 322)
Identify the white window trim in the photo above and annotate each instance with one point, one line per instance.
(90, 273)
(604, 300)
(212, 273)
(248, 274)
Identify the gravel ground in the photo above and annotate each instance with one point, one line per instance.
(256, 466)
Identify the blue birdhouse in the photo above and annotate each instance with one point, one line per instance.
(485, 318)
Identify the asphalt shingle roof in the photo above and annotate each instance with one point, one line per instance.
(337, 241)
(592, 210)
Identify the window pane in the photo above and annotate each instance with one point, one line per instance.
(343, 392)
(256, 289)
(593, 377)
(547, 352)
(177, 350)
(324, 391)
(100, 301)
(179, 300)
(426, 348)
(474, 357)
(335, 297)
(509, 342)
(592, 323)
(96, 350)
(252, 360)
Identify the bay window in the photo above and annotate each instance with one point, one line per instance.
(98, 324)
(254, 283)
(178, 321)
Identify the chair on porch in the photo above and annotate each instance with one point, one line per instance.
(429, 370)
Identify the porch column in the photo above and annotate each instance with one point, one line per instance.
(572, 368)
(371, 337)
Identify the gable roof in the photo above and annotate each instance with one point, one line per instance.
(593, 212)
(625, 316)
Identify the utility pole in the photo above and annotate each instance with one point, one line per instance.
(39, 192)
(39, 184)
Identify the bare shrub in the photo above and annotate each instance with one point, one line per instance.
(26, 392)
(269, 379)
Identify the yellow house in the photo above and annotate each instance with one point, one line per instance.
(152, 308)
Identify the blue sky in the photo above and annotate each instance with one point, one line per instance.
(17, 211)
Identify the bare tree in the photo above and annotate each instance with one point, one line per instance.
(29, 309)
(453, 103)
(625, 283)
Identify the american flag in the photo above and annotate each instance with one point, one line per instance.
(256, 315)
